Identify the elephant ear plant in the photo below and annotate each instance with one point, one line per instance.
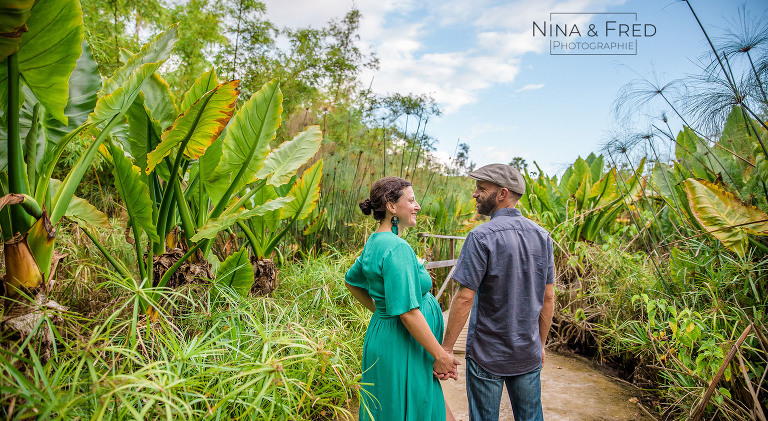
(51, 94)
(187, 174)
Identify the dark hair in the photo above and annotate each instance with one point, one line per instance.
(384, 190)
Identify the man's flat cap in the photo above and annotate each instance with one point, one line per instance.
(501, 174)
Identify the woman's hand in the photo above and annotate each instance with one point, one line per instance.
(446, 366)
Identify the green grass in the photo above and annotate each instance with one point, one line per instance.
(296, 355)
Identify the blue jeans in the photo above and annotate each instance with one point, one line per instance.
(484, 394)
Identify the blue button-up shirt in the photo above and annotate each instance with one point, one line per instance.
(507, 261)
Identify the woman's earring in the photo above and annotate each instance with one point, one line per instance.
(395, 220)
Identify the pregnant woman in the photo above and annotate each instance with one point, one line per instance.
(402, 348)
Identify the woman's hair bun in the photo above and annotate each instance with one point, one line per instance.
(366, 206)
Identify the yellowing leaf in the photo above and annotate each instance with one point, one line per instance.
(198, 126)
(724, 215)
(246, 143)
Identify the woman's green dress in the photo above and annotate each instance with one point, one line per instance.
(397, 371)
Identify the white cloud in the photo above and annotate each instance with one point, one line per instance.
(406, 34)
(530, 87)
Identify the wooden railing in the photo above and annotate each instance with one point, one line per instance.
(451, 262)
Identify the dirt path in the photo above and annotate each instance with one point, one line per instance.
(572, 389)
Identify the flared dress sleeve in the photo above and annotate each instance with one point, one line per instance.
(355, 275)
(401, 281)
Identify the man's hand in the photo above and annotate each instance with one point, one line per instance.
(543, 354)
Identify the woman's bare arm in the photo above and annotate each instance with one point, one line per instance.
(362, 296)
(417, 325)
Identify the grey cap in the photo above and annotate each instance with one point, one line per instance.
(501, 174)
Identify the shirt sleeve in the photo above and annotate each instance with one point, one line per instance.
(551, 262)
(400, 273)
(472, 263)
(355, 275)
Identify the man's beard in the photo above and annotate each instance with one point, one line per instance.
(487, 206)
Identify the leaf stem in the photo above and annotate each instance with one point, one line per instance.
(111, 259)
(17, 178)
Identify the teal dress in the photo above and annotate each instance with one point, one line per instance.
(397, 371)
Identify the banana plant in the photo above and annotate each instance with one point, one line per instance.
(50, 95)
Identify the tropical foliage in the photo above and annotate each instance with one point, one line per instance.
(182, 180)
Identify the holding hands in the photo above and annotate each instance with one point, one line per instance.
(446, 366)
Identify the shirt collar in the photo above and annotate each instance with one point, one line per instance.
(507, 212)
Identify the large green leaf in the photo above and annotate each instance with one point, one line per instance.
(236, 272)
(156, 51)
(48, 53)
(158, 98)
(13, 18)
(738, 137)
(270, 220)
(596, 164)
(111, 107)
(202, 85)
(134, 192)
(124, 86)
(199, 125)
(216, 225)
(246, 142)
(664, 180)
(605, 188)
(724, 215)
(283, 162)
(209, 161)
(160, 101)
(82, 212)
(133, 135)
(26, 124)
(84, 85)
(693, 155)
(306, 191)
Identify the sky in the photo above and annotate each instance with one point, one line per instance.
(510, 89)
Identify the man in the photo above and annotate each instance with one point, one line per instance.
(506, 270)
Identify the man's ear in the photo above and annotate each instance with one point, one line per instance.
(503, 194)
